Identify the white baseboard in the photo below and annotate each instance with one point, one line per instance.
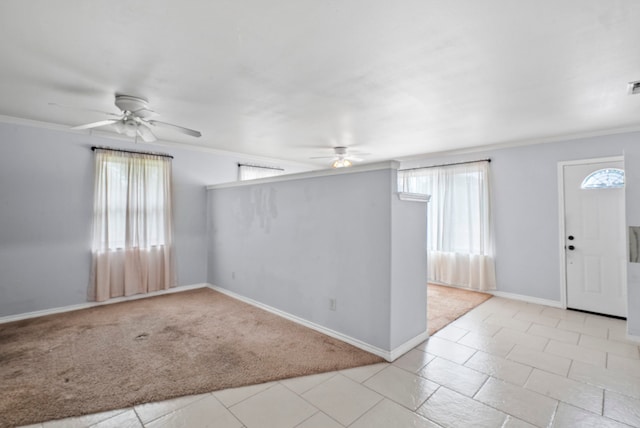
(528, 299)
(407, 346)
(35, 314)
(633, 338)
(387, 355)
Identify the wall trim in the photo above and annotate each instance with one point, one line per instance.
(87, 305)
(414, 197)
(387, 355)
(376, 166)
(528, 299)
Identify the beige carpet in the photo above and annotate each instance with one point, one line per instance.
(124, 354)
(446, 304)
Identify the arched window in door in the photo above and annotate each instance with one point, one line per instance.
(607, 178)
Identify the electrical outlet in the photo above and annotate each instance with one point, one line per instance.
(332, 304)
(233, 275)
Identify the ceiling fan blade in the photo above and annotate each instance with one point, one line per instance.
(355, 159)
(146, 134)
(97, 124)
(182, 129)
(84, 109)
(323, 157)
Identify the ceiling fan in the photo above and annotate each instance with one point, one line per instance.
(341, 157)
(135, 120)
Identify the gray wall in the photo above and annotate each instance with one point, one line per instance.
(408, 269)
(46, 202)
(296, 244)
(526, 213)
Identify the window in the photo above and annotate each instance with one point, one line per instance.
(135, 198)
(459, 233)
(253, 172)
(132, 249)
(608, 178)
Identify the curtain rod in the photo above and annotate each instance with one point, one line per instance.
(258, 166)
(94, 148)
(445, 164)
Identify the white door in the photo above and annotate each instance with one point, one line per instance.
(595, 251)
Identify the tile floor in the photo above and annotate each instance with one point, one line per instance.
(504, 364)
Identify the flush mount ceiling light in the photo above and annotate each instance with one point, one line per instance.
(634, 87)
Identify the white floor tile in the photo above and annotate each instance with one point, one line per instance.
(360, 374)
(83, 421)
(387, 414)
(150, 411)
(205, 413)
(508, 335)
(611, 346)
(451, 332)
(554, 333)
(540, 360)
(276, 407)
(628, 365)
(477, 327)
(487, 344)
(232, 396)
(576, 393)
(602, 321)
(539, 319)
(500, 368)
(622, 408)
(450, 409)
(320, 420)
(569, 416)
(512, 422)
(517, 401)
(342, 398)
(454, 376)
(446, 349)
(300, 385)
(619, 334)
(509, 322)
(564, 314)
(532, 308)
(608, 379)
(579, 327)
(128, 419)
(401, 386)
(413, 360)
(578, 353)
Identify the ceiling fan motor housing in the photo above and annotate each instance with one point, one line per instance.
(129, 103)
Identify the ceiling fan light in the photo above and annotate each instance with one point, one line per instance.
(130, 128)
(341, 163)
(119, 127)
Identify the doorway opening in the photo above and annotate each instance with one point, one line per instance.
(446, 304)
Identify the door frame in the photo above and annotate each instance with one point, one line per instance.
(561, 215)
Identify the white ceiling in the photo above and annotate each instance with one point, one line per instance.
(289, 79)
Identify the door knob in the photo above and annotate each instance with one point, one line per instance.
(570, 238)
(571, 247)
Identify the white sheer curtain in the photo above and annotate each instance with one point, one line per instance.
(132, 249)
(252, 172)
(459, 237)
